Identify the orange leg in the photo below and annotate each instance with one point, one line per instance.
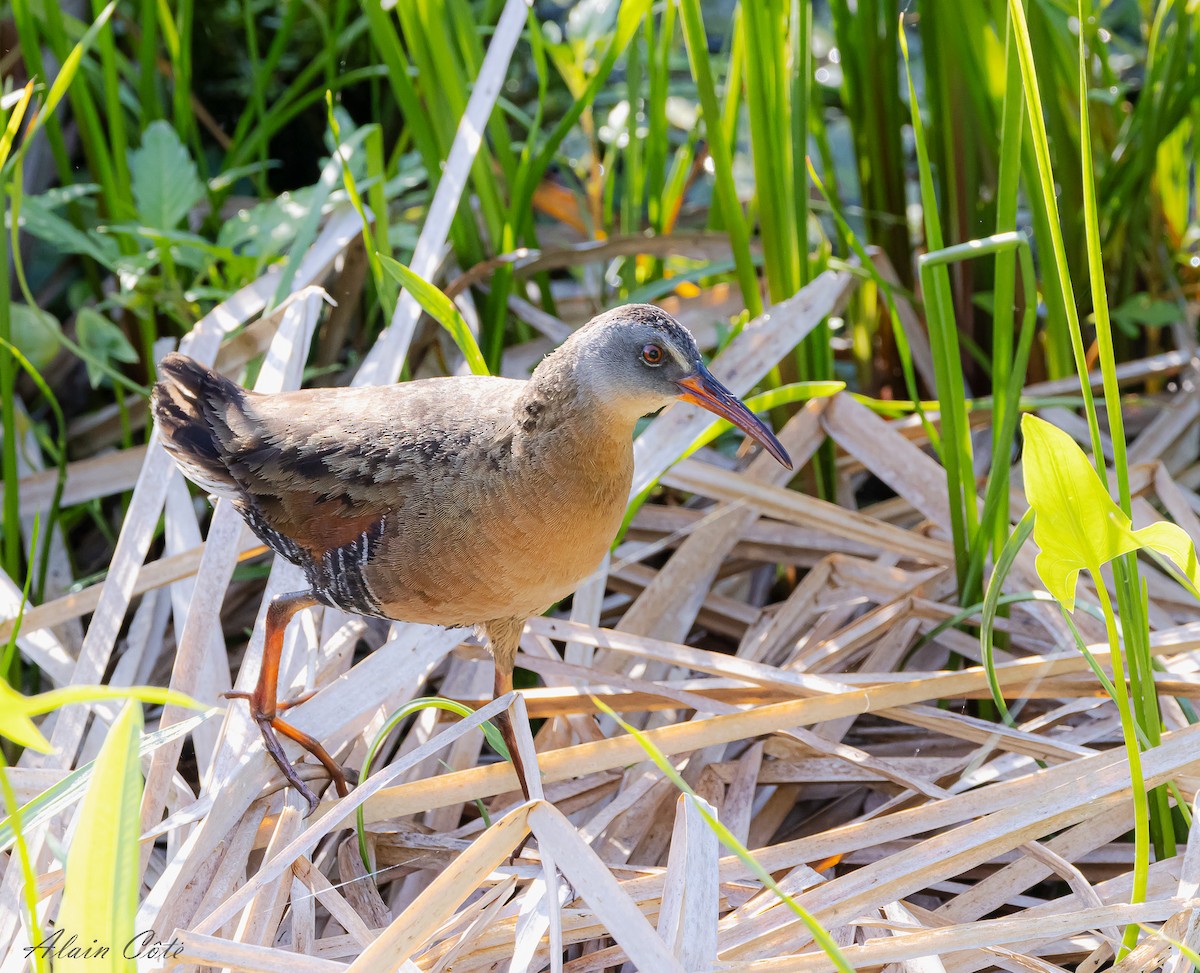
(264, 706)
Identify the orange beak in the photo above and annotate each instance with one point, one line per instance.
(705, 391)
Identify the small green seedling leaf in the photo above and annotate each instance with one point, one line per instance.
(438, 306)
(101, 886)
(104, 343)
(166, 184)
(1077, 524)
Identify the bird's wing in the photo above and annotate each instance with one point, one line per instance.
(324, 466)
(318, 469)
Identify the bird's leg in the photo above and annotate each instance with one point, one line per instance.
(264, 706)
(504, 636)
(504, 684)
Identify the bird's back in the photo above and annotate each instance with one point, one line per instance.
(422, 501)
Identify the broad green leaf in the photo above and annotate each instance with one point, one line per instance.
(35, 333)
(166, 184)
(103, 341)
(438, 306)
(39, 219)
(1078, 525)
(101, 885)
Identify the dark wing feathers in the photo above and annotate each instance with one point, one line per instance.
(317, 470)
(279, 479)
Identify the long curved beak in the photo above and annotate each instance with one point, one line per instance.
(705, 391)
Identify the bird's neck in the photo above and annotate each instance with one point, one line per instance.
(558, 407)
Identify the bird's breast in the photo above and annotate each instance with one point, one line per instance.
(502, 540)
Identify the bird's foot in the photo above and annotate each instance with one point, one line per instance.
(280, 706)
(268, 723)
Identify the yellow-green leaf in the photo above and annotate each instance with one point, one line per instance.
(100, 892)
(16, 710)
(438, 306)
(15, 723)
(1172, 541)
(1077, 524)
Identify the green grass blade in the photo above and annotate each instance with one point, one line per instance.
(727, 838)
(726, 191)
(100, 894)
(441, 309)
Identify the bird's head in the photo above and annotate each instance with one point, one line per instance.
(637, 359)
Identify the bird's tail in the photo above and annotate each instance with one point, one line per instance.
(190, 403)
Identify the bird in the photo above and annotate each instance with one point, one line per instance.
(453, 501)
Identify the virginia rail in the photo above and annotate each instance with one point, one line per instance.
(449, 501)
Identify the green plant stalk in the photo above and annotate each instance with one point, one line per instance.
(370, 235)
(60, 479)
(659, 79)
(114, 113)
(10, 661)
(147, 59)
(418, 123)
(181, 73)
(261, 72)
(1141, 804)
(30, 40)
(1003, 309)
(377, 198)
(956, 454)
(8, 425)
(696, 41)
(1060, 281)
(1006, 397)
(731, 113)
(634, 188)
(83, 108)
(866, 38)
(867, 266)
(1005, 559)
(814, 357)
(768, 98)
(519, 223)
(256, 103)
(1130, 594)
(1109, 688)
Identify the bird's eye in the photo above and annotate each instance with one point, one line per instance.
(652, 354)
